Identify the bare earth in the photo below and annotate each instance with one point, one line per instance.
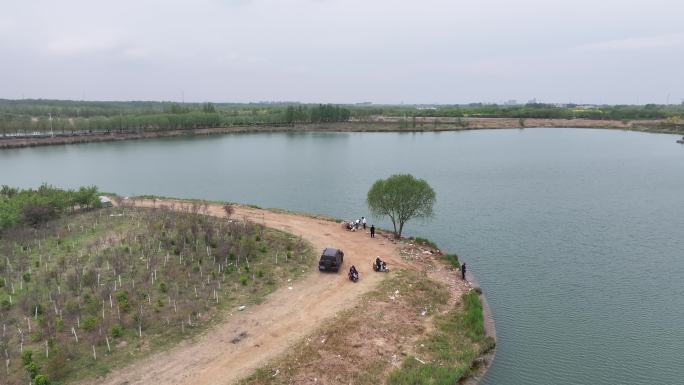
(286, 316)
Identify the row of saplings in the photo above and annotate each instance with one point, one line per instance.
(110, 280)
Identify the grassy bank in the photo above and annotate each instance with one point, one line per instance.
(99, 289)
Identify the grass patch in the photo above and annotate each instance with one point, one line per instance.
(448, 352)
(452, 259)
(425, 242)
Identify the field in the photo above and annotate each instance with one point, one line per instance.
(99, 289)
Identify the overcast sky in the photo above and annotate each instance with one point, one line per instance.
(344, 51)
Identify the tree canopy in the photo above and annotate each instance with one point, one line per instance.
(401, 197)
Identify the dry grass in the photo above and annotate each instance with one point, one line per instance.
(368, 342)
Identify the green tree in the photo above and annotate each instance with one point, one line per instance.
(401, 197)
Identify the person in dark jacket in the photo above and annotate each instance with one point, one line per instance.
(353, 273)
(372, 230)
(463, 271)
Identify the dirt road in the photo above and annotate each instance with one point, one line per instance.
(285, 317)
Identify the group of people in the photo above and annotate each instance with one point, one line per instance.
(357, 224)
(360, 224)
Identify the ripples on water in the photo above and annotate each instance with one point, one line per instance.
(577, 236)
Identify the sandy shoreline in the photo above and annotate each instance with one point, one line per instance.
(383, 124)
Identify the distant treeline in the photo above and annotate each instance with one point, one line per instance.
(36, 206)
(22, 117)
(536, 110)
(36, 116)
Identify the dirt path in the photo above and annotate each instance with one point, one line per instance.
(285, 317)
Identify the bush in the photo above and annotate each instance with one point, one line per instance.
(31, 369)
(122, 300)
(26, 277)
(243, 279)
(35, 214)
(41, 380)
(89, 323)
(26, 357)
(162, 287)
(117, 331)
(59, 325)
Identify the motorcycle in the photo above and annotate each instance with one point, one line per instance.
(382, 268)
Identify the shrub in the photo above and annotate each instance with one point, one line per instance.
(26, 277)
(35, 214)
(243, 279)
(5, 304)
(31, 369)
(57, 366)
(26, 357)
(162, 287)
(59, 325)
(117, 331)
(41, 380)
(122, 300)
(89, 323)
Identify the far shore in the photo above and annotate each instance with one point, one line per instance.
(378, 124)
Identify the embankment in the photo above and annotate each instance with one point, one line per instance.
(377, 124)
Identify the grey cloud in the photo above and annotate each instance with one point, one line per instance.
(344, 50)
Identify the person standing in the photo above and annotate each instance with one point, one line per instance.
(363, 221)
(372, 229)
(463, 271)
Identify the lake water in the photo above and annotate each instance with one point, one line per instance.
(576, 236)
